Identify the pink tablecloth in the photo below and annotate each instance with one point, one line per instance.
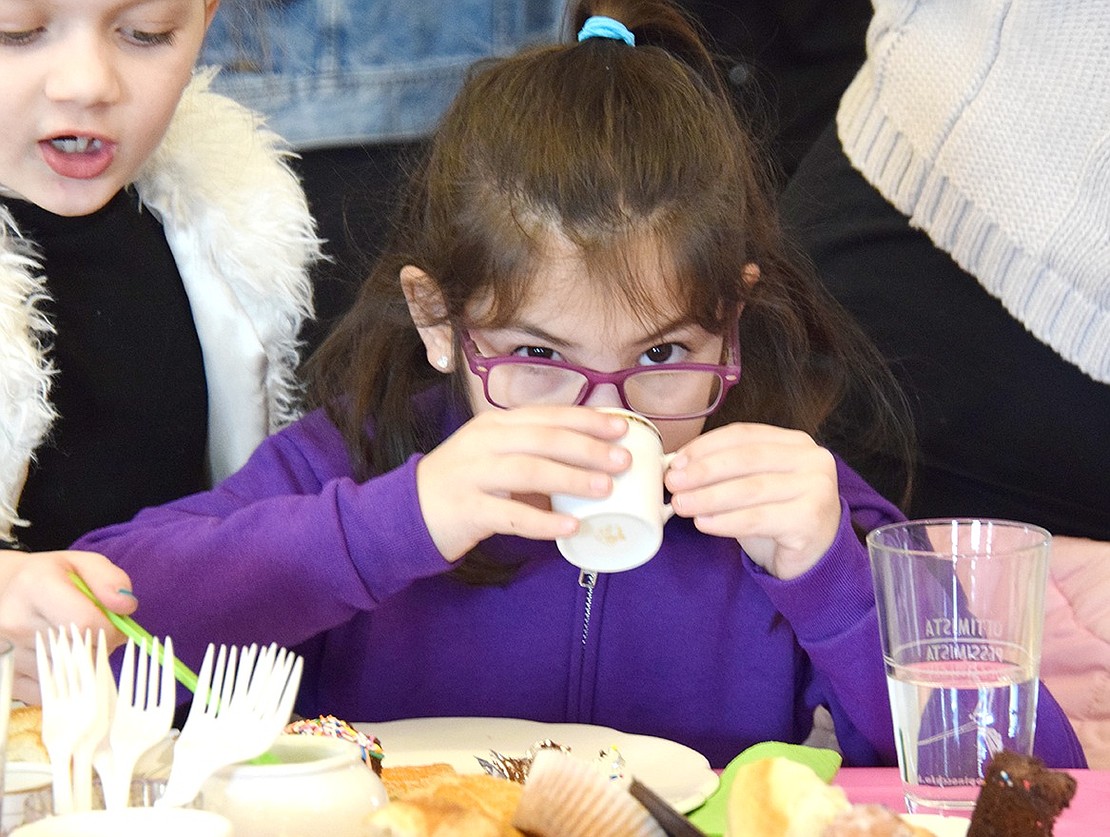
(1088, 815)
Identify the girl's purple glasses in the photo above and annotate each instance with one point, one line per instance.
(668, 391)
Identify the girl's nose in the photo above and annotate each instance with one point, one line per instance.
(604, 395)
(84, 73)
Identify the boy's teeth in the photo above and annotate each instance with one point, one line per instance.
(75, 145)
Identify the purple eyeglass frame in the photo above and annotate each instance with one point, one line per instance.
(729, 373)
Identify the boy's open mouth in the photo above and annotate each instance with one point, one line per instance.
(82, 157)
(76, 145)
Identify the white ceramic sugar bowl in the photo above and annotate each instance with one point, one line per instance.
(314, 785)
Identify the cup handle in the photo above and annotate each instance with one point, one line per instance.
(668, 512)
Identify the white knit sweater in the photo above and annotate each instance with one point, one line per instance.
(987, 123)
(237, 222)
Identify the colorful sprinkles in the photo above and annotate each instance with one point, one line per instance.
(331, 727)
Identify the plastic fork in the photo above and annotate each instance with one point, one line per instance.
(104, 697)
(239, 708)
(142, 718)
(69, 706)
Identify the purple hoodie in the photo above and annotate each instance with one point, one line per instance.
(699, 645)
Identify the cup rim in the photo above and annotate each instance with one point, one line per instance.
(39, 769)
(133, 816)
(1041, 536)
(335, 752)
(632, 416)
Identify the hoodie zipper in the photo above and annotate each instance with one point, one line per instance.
(583, 670)
(587, 580)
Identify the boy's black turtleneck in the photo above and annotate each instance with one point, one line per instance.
(130, 387)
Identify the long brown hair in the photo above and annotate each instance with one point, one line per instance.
(606, 144)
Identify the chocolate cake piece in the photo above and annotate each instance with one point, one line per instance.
(1020, 797)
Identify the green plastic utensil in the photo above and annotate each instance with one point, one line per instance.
(129, 627)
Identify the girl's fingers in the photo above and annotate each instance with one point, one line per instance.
(744, 434)
(773, 490)
(580, 446)
(511, 517)
(736, 453)
(775, 521)
(466, 485)
(752, 492)
(529, 474)
(582, 419)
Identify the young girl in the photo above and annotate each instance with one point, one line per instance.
(590, 209)
(153, 278)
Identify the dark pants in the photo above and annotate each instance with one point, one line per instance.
(1006, 427)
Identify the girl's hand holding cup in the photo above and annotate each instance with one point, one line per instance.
(774, 490)
(478, 481)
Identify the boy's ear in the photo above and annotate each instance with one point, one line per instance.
(210, 7)
(429, 314)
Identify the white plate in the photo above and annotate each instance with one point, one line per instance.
(680, 775)
(940, 826)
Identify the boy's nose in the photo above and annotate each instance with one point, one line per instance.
(84, 73)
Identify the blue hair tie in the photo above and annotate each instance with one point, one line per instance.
(600, 26)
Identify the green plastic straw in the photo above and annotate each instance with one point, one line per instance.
(129, 627)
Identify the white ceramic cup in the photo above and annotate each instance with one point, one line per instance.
(318, 785)
(131, 822)
(625, 529)
(22, 780)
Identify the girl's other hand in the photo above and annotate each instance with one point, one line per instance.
(477, 482)
(36, 593)
(774, 490)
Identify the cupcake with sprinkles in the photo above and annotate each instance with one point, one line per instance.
(331, 727)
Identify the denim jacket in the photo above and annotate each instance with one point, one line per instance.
(349, 72)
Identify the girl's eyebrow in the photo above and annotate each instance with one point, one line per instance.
(542, 334)
(668, 329)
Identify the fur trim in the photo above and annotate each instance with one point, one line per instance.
(221, 184)
(25, 370)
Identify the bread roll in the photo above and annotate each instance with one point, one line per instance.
(434, 800)
(405, 780)
(25, 735)
(779, 797)
(429, 817)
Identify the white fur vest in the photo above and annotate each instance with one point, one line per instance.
(238, 225)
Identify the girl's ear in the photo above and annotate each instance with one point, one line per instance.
(750, 275)
(429, 314)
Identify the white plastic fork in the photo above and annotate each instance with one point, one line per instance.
(238, 710)
(104, 695)
(67, 684)
(142, 718)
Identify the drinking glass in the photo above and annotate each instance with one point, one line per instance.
(961, 615)
(7, 673)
